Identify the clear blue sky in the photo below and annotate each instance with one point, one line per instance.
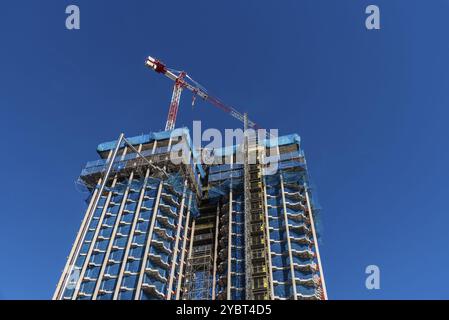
(371, 108)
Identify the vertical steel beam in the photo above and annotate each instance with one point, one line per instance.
(247, 215)
(154, 147)
(192, 235)
(92, 245)
(267, 231)
(175, 249)
(182, 262)
(97, 231)
(214, 273)
(74, 252)
(148, 243)
(130, 238)
(114, 233)
(315, 240)
(290, 255)
(229, 276)
(111, 242)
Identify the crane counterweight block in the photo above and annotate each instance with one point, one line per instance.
(156, 65)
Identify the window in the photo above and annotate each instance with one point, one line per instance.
(129, 281)
(127, 217)
(113, 269)
(97, 258)
(80, 261)
(116, 199)
(133, 266)
(143, 226)
(120, 242)
(88, 287)
(89, 235)
(101, 245)
(106, 232)
(124, 229)
(131, 206)
(140, 238)
(85, 247)
(133, 196)
(93, 223)
(117, 255)
(136, 252)
(109, 220)
(108, 285)
(151, 193)
(106, 296)
(102, 201)
(146, 214)
(126, 295)
(114, 210)
(92, 272)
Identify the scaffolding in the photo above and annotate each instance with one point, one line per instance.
(280, 241)
(200, 272)
(255, 240)
(244, 235)
(198, 285)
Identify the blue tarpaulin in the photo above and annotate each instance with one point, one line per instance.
(156, 136)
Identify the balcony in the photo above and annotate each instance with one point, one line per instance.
(153, 273)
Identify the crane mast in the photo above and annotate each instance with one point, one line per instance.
(174, 103)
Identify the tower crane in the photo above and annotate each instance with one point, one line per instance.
(184, 81)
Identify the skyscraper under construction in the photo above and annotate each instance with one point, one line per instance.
(156, 228)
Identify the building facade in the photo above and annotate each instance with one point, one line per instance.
(156, 228)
